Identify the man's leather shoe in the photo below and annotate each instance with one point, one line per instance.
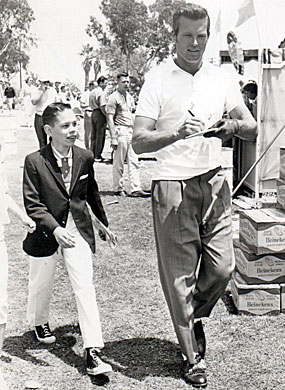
(194, 374)
(200, 338)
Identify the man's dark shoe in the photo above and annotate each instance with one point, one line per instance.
(94, 365)
(195, 374)
(44, 335)
(120, 193)
(140, 194)
(200, 338)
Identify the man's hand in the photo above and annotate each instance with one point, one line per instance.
(63, 237)
(190, 126)
(114, 143)
(224, 129)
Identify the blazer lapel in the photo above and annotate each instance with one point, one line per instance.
(76, 168)
(51, 164)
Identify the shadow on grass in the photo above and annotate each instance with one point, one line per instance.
(105, 193)
(137, 358)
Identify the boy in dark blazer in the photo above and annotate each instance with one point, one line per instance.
(58, 182)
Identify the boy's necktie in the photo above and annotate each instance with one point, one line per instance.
(65, 167)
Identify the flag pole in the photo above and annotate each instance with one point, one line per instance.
(259, 105)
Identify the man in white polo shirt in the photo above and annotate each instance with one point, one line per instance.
(190, 194)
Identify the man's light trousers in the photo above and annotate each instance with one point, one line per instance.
(192, 222)
(125, 151)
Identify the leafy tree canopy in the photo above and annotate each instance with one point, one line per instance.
(16, 17)
(135, 35)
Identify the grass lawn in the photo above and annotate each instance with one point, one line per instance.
(243, 352)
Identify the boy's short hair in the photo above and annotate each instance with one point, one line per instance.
(51, 111)
(122, 74)
(192, 12)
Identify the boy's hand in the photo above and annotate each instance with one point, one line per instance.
(63, 237)
(28, 223)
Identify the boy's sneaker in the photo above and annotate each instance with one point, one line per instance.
(94, 364)
(44, 335)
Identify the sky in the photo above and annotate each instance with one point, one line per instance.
(60, 29)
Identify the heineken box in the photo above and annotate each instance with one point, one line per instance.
(258, 299)
(263, 230)
(282, 297)
(267, 268)
(280, 193)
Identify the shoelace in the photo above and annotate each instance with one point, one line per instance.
(94, 356)
(199, 366)
(46, 331)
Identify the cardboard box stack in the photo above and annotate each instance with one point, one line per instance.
(258, 283)
(260, 262)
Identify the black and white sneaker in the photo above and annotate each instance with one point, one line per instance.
(94, 365)
(44, 335)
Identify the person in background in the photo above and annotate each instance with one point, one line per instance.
(27, 93)
(249, 93)
(9, 93)
(97, 101)
(6, 203)
(191, 198)
(119, 109)
(57, 86)
(80, 129)
(41, 98)
(58, 184)
(84, 104)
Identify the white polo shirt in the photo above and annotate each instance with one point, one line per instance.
(167, 95)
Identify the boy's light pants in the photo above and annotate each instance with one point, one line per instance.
(78, 262)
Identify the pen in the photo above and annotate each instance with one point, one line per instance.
(191, 113)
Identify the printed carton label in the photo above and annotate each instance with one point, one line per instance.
(257, 302)
(272, 238)
(266, 268)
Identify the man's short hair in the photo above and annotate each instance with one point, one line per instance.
(101, 80)
(122, 74)
(193, 12)
(52, 110)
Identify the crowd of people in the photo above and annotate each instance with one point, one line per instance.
(190, 193)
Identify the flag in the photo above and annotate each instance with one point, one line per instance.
(246, 11)
(218, 23)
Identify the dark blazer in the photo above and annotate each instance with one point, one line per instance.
(48, 203)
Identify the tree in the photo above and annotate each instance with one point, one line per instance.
(15, 39)
(87, 53)
(126, 27)
(136, 36)
(160, 33)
